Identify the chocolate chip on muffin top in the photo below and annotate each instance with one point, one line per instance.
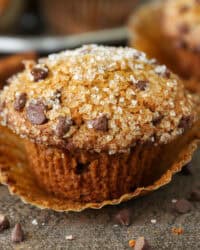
(97, 98)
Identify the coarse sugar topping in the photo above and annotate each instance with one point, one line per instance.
(97, 98)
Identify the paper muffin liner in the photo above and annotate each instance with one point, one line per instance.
(15, 173)
(77, 16)
(146, 34)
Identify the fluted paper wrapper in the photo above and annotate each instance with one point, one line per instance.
(14, 172)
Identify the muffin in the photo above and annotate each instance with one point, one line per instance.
(170, 31)
(98, 123)
(10, 12)
(85, 15)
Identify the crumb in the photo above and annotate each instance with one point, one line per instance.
(153, 221)
(34, 222)
(69, 237)
(131, 243)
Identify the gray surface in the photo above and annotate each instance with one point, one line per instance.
(95, 229)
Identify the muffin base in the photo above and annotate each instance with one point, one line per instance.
(14, 173)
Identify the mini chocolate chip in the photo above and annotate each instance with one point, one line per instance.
(2, 106)
(181, 44)
(101, 123)
(186, 170)
(63, 126)
(185, 122)
(141, 244)
(195, 195)
(184, 28)
(20, 101)
(142, 84)
(157, 120)
(182, 206)
(184, 9)
(4, 222)
(36, 113)
(17, 234)
(123, 217)
(39, 73)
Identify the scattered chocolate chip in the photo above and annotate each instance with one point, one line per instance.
(195, 195)
(186, 170)
(185, 122)
(100, 123)
(4, 222)
(123, 217)
(39, 72)
(142, 85)
(184, 28)
(17, 234)
(141, 244)
(63, 126)
(157, 120)
(36, 113)
(184, 9)
(81, 168)
(182, 206)
(20, 101)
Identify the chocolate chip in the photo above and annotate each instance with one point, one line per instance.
(39, 73)
(157, 120)
(181, 44)
(123, 217)
(36, 113)
(101, 123)
(182, 206)
(184, 28)
(142, 84)
(185, 122)
(142, 244)
(184, 9)
(2, 106)
(63, 126)
(195, 195)
(20, 101)
(17, 234)
(167, 73)
(4, 222)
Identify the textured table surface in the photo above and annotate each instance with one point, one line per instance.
(96, 229)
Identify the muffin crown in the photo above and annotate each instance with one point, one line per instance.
(181, 19)
(96, 98)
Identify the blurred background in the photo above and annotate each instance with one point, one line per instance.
(52, 25)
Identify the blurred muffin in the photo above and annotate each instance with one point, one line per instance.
(63, 17)
(10, 12)
(98, 121)
(175, 35)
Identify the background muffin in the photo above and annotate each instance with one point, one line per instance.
(98, 121)
(174, 38)
(63, 17)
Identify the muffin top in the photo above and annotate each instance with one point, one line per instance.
(181, 20)
(96, 98)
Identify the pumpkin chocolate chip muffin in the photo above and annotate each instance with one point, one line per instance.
(170, 31)
(98, 121)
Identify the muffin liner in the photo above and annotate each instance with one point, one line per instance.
(146, 35)
(85, 15)
(14, 172)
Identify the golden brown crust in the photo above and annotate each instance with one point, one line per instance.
(108, 98)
